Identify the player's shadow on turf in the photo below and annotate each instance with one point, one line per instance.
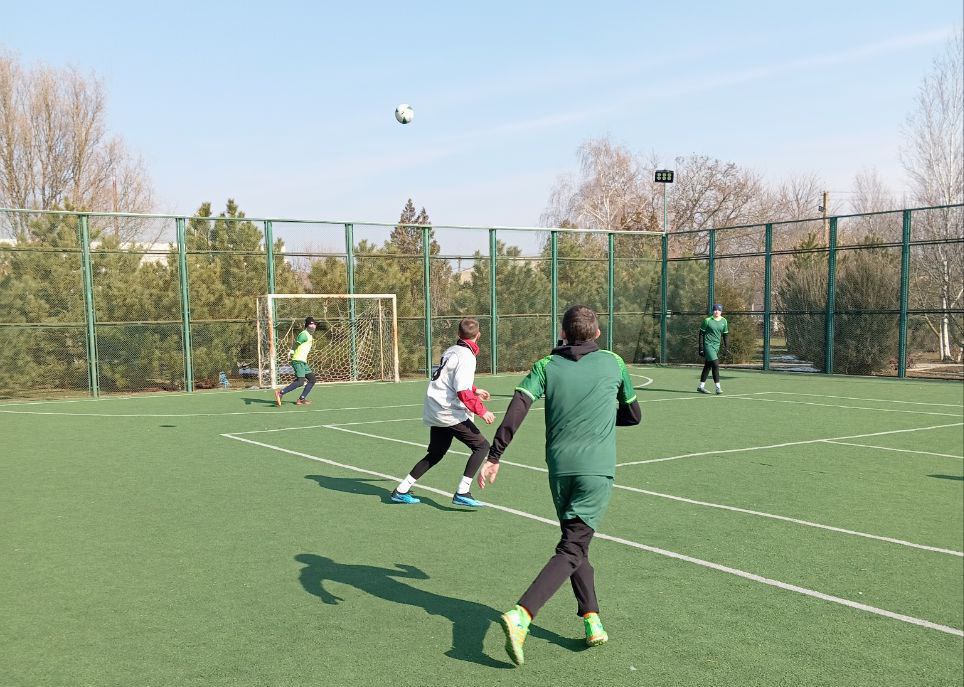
(951, 477)
(248, 400)
(470, 620)
(364, 486)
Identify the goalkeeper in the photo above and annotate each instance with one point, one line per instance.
(713, 339)
(588, 392)
(299, 361)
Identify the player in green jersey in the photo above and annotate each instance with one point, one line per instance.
(588, 393)
(713, 338)
(299, 361)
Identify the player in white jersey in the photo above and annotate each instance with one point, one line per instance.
(451, 401)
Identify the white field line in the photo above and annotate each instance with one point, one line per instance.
(881, 400)
(413, 419)
(642, 377)
(643, 547)
(788, 443)
(682, 499)
(832, 405)
(902, 450)
(196, 394)
(274, 411)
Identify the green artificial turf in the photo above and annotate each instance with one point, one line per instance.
(142, 546)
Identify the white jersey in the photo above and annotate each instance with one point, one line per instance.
(456, 373)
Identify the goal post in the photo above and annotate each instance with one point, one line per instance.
(356, 339)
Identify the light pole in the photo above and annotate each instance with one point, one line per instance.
(664, 176)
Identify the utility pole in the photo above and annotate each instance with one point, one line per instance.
(826, 226)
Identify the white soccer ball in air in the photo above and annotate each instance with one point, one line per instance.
(404, 113)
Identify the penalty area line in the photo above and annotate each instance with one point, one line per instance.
(642, 547)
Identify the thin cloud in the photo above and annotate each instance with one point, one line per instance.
(355, 169)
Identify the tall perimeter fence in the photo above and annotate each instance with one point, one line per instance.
(94, 303)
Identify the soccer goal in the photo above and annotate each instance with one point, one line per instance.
(356, 338)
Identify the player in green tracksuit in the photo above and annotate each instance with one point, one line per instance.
(588, 393)
(713, 338)
(299, 361)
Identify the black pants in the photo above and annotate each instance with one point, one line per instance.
(711, 365)
(440, 439)
(570, 562)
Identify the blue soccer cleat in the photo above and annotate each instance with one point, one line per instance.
(466, 500)
(404, 498)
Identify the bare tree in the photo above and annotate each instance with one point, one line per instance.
(798, 197)
(933, 156)
(611, 193)
(55, 151)
(711, 193)
(871, 199)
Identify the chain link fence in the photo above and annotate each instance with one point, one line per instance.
(111, 303)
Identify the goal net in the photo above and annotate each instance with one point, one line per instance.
(356, 338)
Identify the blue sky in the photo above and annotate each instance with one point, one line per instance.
(287, 107)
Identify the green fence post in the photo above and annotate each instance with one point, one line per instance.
(711, 273)
(427, 286)
(767, 285)
(610, 295)
(831, 297)
(554, 287)
(185, 305)
(89, 314)
(904, 289)
(493, 302)
(269, 252)
(663, 282)
(350, 269)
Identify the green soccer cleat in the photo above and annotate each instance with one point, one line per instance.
(515, 624)
(595, 634)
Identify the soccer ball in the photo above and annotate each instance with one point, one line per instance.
(404, 113)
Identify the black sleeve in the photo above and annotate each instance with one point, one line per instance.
(511, 421)
(725, 341)
(629, 414)
(701, 342)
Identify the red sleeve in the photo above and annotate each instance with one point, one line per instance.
(472, 402)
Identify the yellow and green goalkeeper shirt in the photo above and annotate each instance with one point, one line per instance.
(302, 346)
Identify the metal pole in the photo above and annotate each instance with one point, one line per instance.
(269, 251)
(711, 273)
(610, 295)
(904, 289)
(350, 274)
(493, 302)
(767, 286)
(89, 314)
(554, 286)
(664, 207)
(185, 305)
(427, 286)
(664, 269)
(831, 297)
